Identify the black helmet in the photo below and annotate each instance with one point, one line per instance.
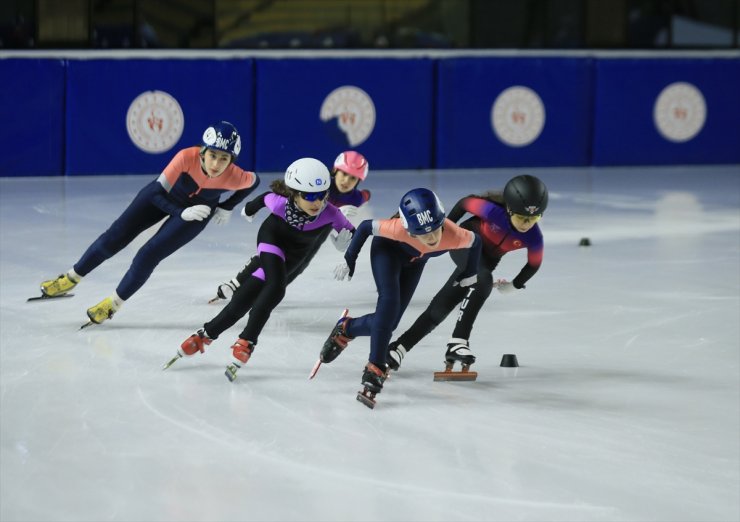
(525, 195)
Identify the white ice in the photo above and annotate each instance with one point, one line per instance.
(625, 406)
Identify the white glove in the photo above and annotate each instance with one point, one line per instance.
(342, 239)
(341, 271)
(348, 210)
(505, 287)
(196, 213)
(245, 216)
(221, 216)
(467, 281)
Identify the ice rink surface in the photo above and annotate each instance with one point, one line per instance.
(625, 406)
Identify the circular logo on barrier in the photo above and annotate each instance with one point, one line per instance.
(680, 112)
(518, 116)
(155, 121)
(354, 111)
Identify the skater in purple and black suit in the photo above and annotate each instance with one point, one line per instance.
(505, 222)
(299, 215)
(350, 168)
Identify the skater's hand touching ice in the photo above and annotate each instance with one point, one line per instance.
(342, 239)
(196, 213)
(504, 286)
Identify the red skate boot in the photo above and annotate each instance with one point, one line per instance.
(190, 346)
(241, 350)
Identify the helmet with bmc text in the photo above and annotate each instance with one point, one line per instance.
(525, 195)
(307, 175)
(421, 211)
(223, 136)
(352, 163)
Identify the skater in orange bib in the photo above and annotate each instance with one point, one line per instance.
(400, 249)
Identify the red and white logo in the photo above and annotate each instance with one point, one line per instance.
(155, 121)
(680, 112)
(354, 110)
(518, 116)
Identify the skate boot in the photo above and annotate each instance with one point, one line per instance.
(58, 287)
(190, 346)
(396, 353)
(225, 290)
(102, 311)
(241, 350)
(337, 341)
(372, 381)
(457, 350)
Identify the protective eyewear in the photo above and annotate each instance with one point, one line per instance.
(521, 219)
(314, 196)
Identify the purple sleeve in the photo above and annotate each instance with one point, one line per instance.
(276, 204)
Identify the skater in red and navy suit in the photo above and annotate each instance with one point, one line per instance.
(300, 214)
(506, 222)
(350, 168)
(399, 251)
(186, 196)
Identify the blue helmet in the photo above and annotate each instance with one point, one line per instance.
(224, 137)
(421, 211)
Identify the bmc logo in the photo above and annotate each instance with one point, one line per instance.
(424, 217)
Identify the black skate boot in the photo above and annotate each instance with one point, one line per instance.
(396, 353)
(457, 350)
(372, 380)
(337, 341)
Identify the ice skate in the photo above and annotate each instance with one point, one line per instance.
(225, 291)
(372, 382)
(337, 341)
(396, 353)
(102, 311)
(457, 351)
(54, 288)
(190, 346)
(241, 350)
(334, 344)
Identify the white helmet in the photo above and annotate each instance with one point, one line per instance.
(307, 175)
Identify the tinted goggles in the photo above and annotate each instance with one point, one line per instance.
(521, 219)
(313, 196)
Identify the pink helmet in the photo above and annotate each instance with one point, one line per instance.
(353, 163)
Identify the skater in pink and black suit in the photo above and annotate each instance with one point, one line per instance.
(506, 222)
(400, 249)
(299, 215)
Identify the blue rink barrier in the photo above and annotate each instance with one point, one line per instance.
(132, 116)
(32, 117)
(666, 111)
(382, 108)
(513, 112)
(87, 114)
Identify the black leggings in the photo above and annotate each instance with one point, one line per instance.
(470, 299)
(254, 263)
(255, 296)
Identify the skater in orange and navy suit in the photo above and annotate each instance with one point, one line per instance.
(505, 222)
(186, 196)
(399, 252)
